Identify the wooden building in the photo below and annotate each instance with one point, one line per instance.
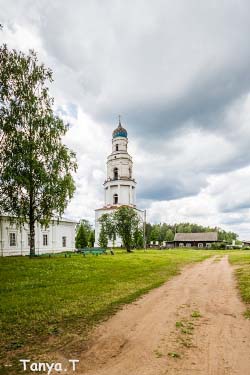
(246, 243)
(200, 240)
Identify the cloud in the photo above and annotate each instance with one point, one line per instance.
(178, 72)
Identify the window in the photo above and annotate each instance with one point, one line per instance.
(188, 244)
(181, 244)
(115, 198)
(12, 239)
(115, 173)
(200, 245)
(64, 241)
(116, 147)
(208, 245)
(130, 173)
(28, 239)
(45, 240)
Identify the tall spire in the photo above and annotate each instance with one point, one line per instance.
(120, 125)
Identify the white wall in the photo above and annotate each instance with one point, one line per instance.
(123, 163)
(54, 233)
(125, 190)
(122, 143)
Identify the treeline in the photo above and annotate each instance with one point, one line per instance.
(85, 235)
(166, 232)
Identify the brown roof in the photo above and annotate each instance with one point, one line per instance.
(112, 207)
(196, 237)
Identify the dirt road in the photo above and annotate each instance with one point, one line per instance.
(193, 324)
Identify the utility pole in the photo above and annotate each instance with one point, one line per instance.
(144, 231)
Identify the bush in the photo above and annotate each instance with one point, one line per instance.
(218, 246)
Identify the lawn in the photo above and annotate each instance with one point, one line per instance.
(242, 259)
(51, 303)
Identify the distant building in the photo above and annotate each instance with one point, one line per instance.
(246, 243)
(200, 240)
(57, 237)
(119, 186)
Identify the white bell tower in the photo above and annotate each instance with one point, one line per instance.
(119, 186)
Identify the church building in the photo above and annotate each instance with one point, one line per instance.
(58, 236)
(120, 185)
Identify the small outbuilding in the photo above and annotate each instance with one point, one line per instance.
(246, 243)
(200, 240)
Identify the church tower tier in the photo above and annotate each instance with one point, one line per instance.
(119, 186)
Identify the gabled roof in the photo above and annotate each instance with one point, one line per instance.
(204, 236)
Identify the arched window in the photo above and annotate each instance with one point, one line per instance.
(130, 173)
(115, 173)
(115, 198)
(116, 147)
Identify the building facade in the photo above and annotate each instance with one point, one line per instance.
(57, 237)
(200, 240)
(120, 185)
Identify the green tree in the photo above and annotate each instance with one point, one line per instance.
(103, 237)
(88, 229)
(108, 225)
(81, 237)
(138, 238)
(127, 223)
(148, 232)
(155, 233)
(35, 166)
(169, 235)
(92, 238)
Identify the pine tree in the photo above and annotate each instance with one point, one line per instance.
(92, 238)
(81, 238)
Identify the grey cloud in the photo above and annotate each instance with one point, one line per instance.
(236, 206)
(204, 104)
(235, 220)
(170, 68)
(170, 187)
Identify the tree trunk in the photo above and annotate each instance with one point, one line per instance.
(128, 248)
(32, 233)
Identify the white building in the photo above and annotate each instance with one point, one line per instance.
(57, 237)
(119, 186)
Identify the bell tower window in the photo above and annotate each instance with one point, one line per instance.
(116, 147)
(115, 198)
(115, 173)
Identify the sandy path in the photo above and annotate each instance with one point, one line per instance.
(139, 338)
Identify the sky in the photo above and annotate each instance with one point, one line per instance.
(178, 72)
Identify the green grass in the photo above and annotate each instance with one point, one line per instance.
(242, 259)
(51, 303)
(174, 355)
(196, 314)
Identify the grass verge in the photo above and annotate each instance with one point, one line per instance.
(242, 259)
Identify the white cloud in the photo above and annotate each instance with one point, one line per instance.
(90, 143)
(224, 202)
(177, 71)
